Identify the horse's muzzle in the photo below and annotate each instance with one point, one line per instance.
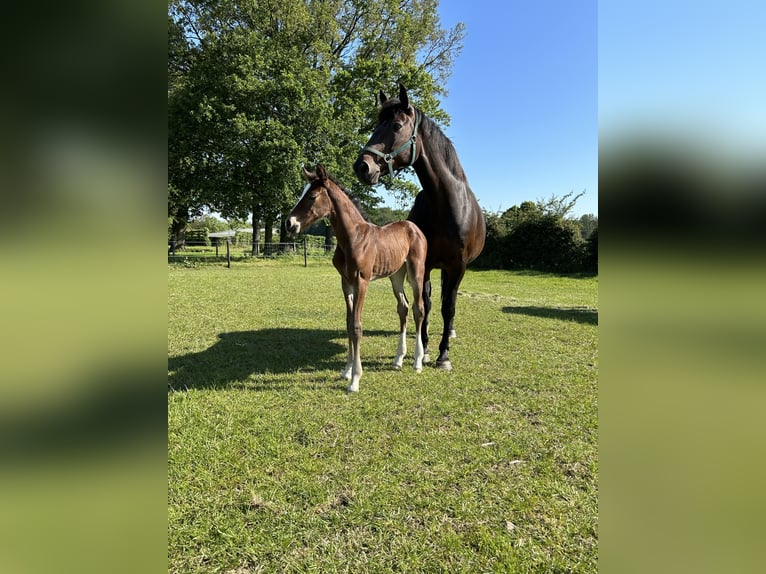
(293, 226)
(366, 170)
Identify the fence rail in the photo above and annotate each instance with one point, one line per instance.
(228, 251)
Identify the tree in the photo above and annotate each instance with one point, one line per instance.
(209, 222)
(383, 215)
(184, 198)
(258, 88)
(588, 224)
(559, 206)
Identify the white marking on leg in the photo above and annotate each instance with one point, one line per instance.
(419, 354)
(356, 374)
(402, 307)
(347, 370)
(401, 351)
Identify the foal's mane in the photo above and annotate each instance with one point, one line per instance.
(440, 143)
(354, 200)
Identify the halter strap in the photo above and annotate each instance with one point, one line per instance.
(389, 157)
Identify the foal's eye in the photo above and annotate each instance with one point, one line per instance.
(397, 126)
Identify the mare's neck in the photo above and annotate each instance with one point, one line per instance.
(435, 174)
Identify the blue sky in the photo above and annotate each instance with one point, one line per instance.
(523, 100)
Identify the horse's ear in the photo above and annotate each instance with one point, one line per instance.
(404, 101)
(382, 98)
(307, 175)
(322, 172)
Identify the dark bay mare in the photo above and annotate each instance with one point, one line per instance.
(445, 210)
(366, 252)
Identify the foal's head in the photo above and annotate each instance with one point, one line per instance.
(314, 204)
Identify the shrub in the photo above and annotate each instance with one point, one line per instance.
(197, 236)
(590, 260)
(547, 243)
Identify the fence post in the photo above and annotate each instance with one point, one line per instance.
(228, 254)
(305, 260)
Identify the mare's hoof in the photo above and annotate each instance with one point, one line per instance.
(444, 365)
(426, 358)
(397, 367)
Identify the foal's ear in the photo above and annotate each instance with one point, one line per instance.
(382, 98)
(307, 175)
(322, 172)
(404, 101)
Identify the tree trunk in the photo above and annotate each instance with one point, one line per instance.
(178, 230)
(256, 231)
(268, 237)
(283, 238)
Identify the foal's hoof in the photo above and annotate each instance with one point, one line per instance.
(444, 365)
(452, 334)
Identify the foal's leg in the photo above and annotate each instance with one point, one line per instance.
(402, 307)
(415, 279)
(348, 296)
(450, 281)
(355, 334)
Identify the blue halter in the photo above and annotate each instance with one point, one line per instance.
(389, 157)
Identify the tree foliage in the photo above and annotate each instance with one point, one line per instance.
(257, 88)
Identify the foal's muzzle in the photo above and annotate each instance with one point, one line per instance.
(293, 226)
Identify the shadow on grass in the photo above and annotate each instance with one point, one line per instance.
(587, 316)
(539, 273)
(237, 356)
(239, 359)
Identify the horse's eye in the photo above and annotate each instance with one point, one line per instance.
(397, 126)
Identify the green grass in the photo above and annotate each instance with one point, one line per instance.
(273, 467)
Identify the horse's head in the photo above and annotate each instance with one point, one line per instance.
(313, 204)
(392, 145)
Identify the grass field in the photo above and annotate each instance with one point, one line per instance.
(273, 467)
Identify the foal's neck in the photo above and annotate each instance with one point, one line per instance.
(345, 216)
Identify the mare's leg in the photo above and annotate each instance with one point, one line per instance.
(426, 313)
(356, 334)
(450, 281)
(415, 278)
(402, 307)
(348, 296)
